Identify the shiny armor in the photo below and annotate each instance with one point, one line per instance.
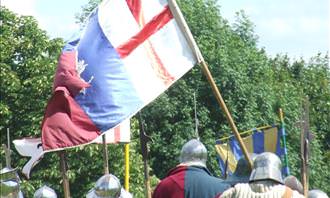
(193, 153)
(316, 193)
(9, 183)
(107, 186)
(45, 192)
(267, 166)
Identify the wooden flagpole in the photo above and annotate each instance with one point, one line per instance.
(185, 29)
(7, 150)
(304, 146)
(144, 150)
(64, 170)
(105, 155)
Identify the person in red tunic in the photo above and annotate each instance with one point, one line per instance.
(191, 178)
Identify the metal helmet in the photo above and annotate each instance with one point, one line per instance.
(45, 192)
(242, 171)
(193, 153)
(9, 183)
(316, 193)
(267, 166)
(292, 182)
(107, 186)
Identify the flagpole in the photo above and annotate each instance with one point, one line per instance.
(64, 170)
(286, 161)
(304, 146)
(105, 155)
(185, 29)
(144, 150)
(7, 150)
(127, 167)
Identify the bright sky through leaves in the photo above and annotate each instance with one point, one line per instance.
(296, 27)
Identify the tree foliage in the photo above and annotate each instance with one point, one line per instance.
(253, 86)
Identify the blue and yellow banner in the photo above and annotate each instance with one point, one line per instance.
(265, 140)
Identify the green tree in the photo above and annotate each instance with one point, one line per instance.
(28, 59)
(253, 86)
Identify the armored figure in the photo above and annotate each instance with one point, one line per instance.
(265, 180)
(45, 192)
(190, 178)
(316, 193)
(9, 183)
(108, 186)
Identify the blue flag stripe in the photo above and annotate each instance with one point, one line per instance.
(258, 142)
(104, 102)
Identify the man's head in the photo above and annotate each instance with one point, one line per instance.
(107, 186)
(193, 153)
(267, 166)
(292, 182)
(45, 192)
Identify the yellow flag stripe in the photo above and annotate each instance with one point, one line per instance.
(223, 150)
(270, 139)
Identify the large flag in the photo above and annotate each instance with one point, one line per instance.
(129, 53)
(32, 147)
(266, 140)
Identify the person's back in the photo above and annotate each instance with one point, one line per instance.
(191, 178)
(200, 183)
(261, 189)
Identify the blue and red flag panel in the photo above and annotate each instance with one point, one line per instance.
(129, 53)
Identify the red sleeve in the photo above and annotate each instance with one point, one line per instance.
(168, 189)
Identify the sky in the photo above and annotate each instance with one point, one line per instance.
(299, 28)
